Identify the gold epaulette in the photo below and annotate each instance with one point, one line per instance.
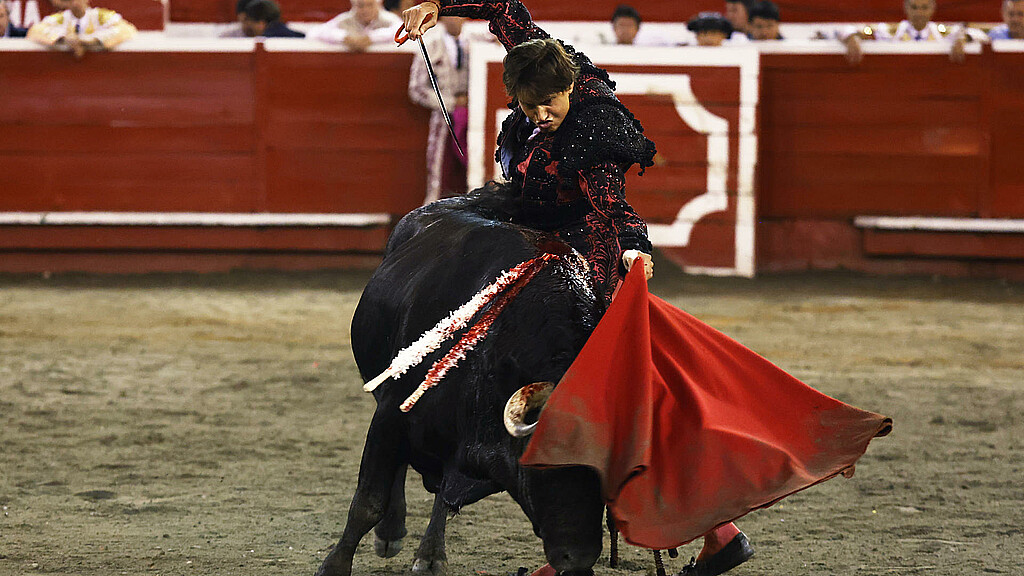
(104, 15)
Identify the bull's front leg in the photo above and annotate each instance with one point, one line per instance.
(431, 558)
(383, 457)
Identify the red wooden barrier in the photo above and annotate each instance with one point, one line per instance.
(288, 131)
(1007, 124)
(202, 131)
(899, 135)
(232, 132)
(182, 123)
(338, 125)
(597, 10)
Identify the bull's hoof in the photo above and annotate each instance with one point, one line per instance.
(736, 552)
(386, 548)
(425, 567)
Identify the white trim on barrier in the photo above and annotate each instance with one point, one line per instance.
(873, 47)
(931, 224)
(481, 53)
(1008, 46)
(191, 219)
(712, 271)
(696, 116)
(152, 44)
(20, 45)
(161, 44)
(609, 55)
(302, 45)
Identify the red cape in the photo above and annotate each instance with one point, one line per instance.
(687, 428)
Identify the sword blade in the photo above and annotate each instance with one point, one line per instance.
(437, 92)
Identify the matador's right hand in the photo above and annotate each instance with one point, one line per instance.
(420, 18)
(629, 257)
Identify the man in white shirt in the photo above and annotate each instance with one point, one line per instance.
(366, 24)
(918, 27)
(80, 27)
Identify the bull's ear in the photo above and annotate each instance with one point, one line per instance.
(523, 408)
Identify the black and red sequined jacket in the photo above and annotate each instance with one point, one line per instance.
(571, 181)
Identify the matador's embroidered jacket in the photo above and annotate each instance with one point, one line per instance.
(571, 181)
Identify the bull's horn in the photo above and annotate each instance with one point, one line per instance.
(529, 397)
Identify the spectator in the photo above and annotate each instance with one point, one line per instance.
(918, 27)
(626, 30)
(1012, 27)
(446, 168)
(81, 27)
(710, 28)
(236, 31)
(367, 23)
(737, 12)
(764, 21)
(7, 29)
(625, 24)
(263, 18)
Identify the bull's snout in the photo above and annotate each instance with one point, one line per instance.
(523, 408)
(573, 561)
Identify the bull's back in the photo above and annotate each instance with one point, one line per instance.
(438, 257)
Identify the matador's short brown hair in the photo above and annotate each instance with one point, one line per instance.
(537, 69)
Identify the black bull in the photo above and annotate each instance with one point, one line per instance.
(437, 258)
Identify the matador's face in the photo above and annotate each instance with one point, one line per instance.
(548, 114)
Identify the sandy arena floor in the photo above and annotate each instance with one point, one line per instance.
(208, 425)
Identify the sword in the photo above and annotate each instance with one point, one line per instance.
(433, 82)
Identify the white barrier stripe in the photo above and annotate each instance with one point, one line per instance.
(21, 218)
(910, 223)
(797, 47)
(1008, 46)
(190, 219)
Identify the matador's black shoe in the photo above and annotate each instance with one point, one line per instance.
(736, 552)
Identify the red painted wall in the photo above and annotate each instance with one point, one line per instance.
(651, 10)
